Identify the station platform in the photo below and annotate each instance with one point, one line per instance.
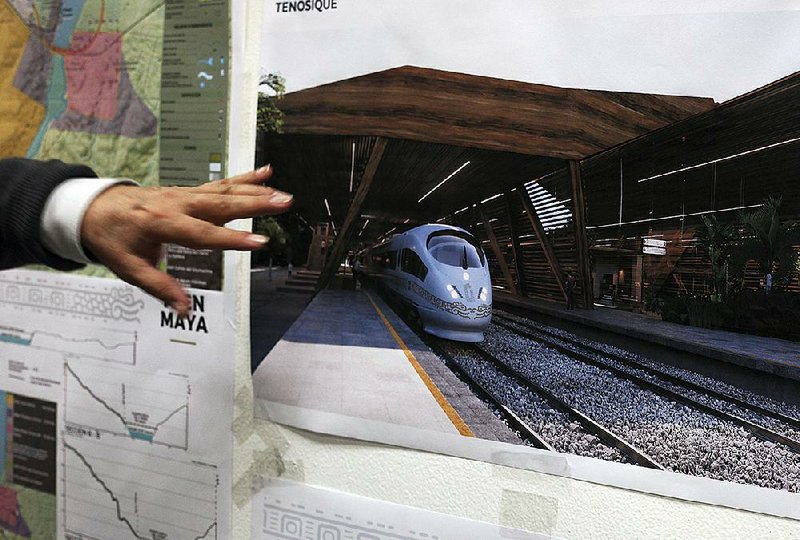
(273, 308)
(349, 354)
(771, 355)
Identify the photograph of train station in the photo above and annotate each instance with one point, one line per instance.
(603, 273)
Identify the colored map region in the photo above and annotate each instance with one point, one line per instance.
(138, 89)
(10, 513)
(20, 113)
(80, 81)
(28, 475)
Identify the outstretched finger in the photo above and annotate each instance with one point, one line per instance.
(199, 234)
(231, 189)
(224, 208)
(259, 176)
(139, 272)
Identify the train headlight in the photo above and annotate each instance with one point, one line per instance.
(466, 276)
(482, 294)
(454, 293)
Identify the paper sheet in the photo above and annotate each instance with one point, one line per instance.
(120, 408)
(284, 509)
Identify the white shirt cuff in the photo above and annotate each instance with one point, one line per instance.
(63, 213)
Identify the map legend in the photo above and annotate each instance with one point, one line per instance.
(194, 91)
(194, 94)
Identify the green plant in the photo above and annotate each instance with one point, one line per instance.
(768, 241)
(772, 315)
(270, 117)
(652, 301)
(697, 311)
(705, 313)
(279, 239)
(715, 237)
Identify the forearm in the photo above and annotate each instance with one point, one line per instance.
(25, 186)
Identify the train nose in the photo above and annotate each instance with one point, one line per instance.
(474, 286)
(470, 294)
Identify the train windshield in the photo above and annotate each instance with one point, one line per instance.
(455, 248)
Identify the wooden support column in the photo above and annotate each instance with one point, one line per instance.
(350, 220)
(498, 253)
(549, 254)
(579, 217)
(516, 249)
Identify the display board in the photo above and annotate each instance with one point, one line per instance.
(118, 413)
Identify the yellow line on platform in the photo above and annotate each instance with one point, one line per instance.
(448, 409)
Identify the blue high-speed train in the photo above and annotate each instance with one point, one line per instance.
(441, 272)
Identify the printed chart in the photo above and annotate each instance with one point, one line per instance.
(115, 492)
(152, 408)
(107, 345)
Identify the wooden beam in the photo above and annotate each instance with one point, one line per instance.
(579, 217)
(516, 249)
(549, 254)
(498, 253)
(351, 219)
(493, 114)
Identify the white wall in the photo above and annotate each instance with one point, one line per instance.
(502, 495)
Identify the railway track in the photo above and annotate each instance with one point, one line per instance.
(629, 451)
(577, 351)
(614, 407)
(678, 436)
(524, 431)
(776, 415)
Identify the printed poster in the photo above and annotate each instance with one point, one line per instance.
(361, 77)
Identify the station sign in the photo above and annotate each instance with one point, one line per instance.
(651, 250)
(652, 242)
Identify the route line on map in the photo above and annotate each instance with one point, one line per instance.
(121, 33)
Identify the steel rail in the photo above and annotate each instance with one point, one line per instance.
(509, 416)
(634, 454)
(793, 422)
(526, 432)
(755, 429)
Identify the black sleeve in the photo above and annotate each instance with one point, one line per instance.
(25, 185)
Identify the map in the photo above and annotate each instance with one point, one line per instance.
(80, 81)
(132, 88)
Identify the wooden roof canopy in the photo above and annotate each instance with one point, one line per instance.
(406, 130)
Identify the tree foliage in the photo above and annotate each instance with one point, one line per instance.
(271, 88)
(760, 237)
(278, 237)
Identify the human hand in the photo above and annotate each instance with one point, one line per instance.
(126, 226)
